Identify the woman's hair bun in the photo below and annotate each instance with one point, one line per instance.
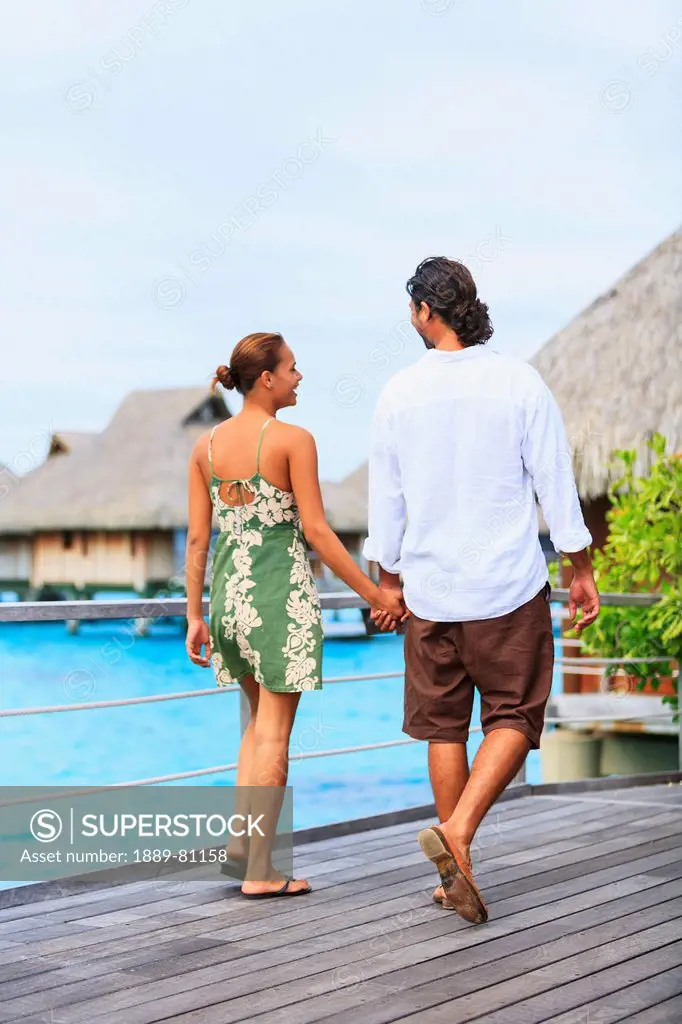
(225, 376)
(250, 358)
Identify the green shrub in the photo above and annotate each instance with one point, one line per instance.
(643, 553)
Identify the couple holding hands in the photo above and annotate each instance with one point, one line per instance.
(462, 441)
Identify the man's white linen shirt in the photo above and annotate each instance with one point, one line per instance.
(460, 444)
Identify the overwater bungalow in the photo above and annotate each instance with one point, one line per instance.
(345, 504)
(108, 511)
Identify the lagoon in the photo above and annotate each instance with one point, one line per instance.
(41, 664)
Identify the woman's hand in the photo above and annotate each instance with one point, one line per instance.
(197, 637)
(388, 608)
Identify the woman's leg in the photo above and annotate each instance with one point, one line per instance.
(270, 766)
(238, 847)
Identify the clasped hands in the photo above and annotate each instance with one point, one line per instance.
(388, 609)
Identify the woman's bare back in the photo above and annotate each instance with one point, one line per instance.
(235, 447)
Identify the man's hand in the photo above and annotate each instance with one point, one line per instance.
(390, 610)
(583, 594)
(387, 620)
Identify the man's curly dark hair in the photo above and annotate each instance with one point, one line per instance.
(449, 290)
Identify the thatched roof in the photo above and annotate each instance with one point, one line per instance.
(345, 502)
(616, 370)
(133, 475)
(64, 441)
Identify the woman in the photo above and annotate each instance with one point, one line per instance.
(265, 625)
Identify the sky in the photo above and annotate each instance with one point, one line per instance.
(177, 174)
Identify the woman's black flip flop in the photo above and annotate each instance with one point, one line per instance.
(284, 891)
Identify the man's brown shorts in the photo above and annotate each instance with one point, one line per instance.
(509, 659)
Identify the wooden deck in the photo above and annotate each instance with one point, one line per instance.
(585, 899)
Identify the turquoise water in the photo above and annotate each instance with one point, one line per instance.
(40, 664)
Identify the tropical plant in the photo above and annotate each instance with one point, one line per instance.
(643, 553)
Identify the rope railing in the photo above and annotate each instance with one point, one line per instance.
(307, 755)
(127, 701)
(574, 667)
(219, 769)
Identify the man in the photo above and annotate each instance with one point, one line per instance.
(461, 442)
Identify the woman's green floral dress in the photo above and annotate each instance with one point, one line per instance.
(265, 617)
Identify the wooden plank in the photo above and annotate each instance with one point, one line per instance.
(40, 891)
(252, 977)
(151, 892)
(632, 840)
(367, 839)
(201, 898)
(669, 1012)
(492, 836)
(328, 1005)
(449, 996)
(578, 994)
(40, 978)
(23, 930)
(249, 921)
(621, 1004)
(424, 924)
(365, 870)
(405, 912)
(354, 957)
(147, 892)
(420, 923)
(356, 872)
(140, 888)
(295, 1001)
(671, 790)
(565, 867)
(649, 864)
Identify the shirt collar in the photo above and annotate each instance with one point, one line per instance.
(438, 355)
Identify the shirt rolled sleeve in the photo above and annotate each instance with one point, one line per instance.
(386, 512)
(548, 459)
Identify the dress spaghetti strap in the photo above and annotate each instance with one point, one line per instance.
(260, 442)
(210, 448)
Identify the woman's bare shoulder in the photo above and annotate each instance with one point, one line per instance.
(200, 446)
(293, 435)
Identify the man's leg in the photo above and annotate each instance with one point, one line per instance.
(438, 702)
(511, 660)
(449, 774)
(513, 657)
(497, 761)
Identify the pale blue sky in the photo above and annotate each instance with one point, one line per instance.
(536, 140)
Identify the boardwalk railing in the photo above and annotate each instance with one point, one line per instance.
(51, 611)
